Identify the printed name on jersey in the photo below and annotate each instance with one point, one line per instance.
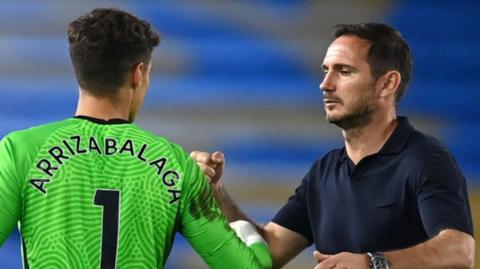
(71, 148)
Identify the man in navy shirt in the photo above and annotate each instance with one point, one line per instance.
(392, 197)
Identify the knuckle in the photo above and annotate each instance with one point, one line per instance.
(205, 156)
(210, 171)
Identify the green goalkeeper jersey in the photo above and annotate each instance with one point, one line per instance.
(94, 194)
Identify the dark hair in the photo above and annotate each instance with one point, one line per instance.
(388, 50)
(105, 44)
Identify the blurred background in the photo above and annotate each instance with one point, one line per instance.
(242, 77)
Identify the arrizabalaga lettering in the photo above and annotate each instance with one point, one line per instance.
(73, 147)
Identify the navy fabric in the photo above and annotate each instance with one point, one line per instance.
(403, 195)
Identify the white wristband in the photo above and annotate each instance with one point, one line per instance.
(247, 232)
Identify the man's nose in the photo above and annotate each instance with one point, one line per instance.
(328, 83)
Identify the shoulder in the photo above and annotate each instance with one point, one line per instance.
(34, 135)
(152, 138)
(20, 147)
(431, 158)
(168, 147)
(422, 146)
(333, 155)
(330, 159)
(325, 164)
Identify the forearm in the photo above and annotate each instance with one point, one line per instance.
(449, 249)
(228, 206)
(233, 212)
(220, 247)
(283, 244)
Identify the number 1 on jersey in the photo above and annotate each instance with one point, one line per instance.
(110, 201)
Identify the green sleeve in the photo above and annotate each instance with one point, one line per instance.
(207, 230)
(10, 191)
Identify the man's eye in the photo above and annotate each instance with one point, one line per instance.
(345, 72)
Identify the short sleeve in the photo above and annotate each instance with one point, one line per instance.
(10, 191)
(294, 214)
(442, 196)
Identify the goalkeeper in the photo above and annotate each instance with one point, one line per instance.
(97, 191)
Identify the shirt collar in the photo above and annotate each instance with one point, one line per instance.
(398, 139)
(395, 143)
(102, 121)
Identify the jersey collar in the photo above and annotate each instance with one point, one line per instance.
(102, 121)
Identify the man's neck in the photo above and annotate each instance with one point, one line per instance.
(103, 107)
(369, 139)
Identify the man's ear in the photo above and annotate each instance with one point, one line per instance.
(137, 75)
(388, 83)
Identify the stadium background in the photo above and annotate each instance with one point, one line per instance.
(242, 77)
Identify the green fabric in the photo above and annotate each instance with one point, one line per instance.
(52, 175)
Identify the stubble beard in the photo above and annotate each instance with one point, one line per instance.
(361, 115)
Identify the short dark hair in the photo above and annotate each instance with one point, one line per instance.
(388, 50)
(105, 44)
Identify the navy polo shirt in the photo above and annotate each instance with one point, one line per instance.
(403, 195)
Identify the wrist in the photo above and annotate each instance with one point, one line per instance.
(378, 261)
(220, 193)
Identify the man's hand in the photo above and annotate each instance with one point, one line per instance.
(344, 260)
(284, 244)
(211, 164)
